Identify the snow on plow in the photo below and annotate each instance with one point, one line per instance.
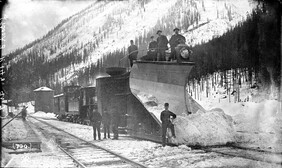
(155, 83)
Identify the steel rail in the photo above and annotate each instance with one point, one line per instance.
(62, 149)
(239, 154)
(96, 146)
(74, 159)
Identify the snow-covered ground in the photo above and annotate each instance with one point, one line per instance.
(51, 156)
(257, 120)
(259, 125)
(145, 152)
(14, 130)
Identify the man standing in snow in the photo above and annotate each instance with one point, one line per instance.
(174, 41)
(24, 113)
(166, 123)
(132, 52)
(115, 123)
(162, 46)
(95, 119)
(106, 122)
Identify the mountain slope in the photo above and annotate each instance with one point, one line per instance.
(104, 29)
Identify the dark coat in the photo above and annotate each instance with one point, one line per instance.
(162, 42)
(115, 119)
(133, 52)
(106, 118)
(153, 45)
(95, 117)
(24, 112)
(174, 40)
(165, 116)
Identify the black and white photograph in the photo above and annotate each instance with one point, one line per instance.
(141, 83)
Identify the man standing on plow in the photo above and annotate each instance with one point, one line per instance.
(174, 41)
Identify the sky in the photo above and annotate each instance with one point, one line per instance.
(28, 20)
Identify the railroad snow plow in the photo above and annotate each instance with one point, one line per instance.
(139, 96)
(154, 83)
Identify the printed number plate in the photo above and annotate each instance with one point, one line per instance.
(22, 146)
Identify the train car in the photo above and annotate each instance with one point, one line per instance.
(88, 102)
(73, 104)
(59, 106)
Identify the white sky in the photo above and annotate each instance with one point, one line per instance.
(28, 20)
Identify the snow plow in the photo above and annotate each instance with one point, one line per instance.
(165, 82)
(138, 96)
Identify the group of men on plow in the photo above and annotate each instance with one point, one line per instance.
(158, 49)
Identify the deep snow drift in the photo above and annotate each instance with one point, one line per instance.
(259, 124)
(213, 127)
(257, 118)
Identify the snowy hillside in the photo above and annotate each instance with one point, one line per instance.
(105, 27)
(216, 18)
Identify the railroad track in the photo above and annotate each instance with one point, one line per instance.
(83, 153)
(100, 157)
(247, 153)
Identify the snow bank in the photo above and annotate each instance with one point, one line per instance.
(211, 128)
(44, 115)
(251, 116)
(257, 124)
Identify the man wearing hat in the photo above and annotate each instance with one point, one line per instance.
(162, 46)
(174, 41)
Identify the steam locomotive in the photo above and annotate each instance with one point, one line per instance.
(118, 93)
